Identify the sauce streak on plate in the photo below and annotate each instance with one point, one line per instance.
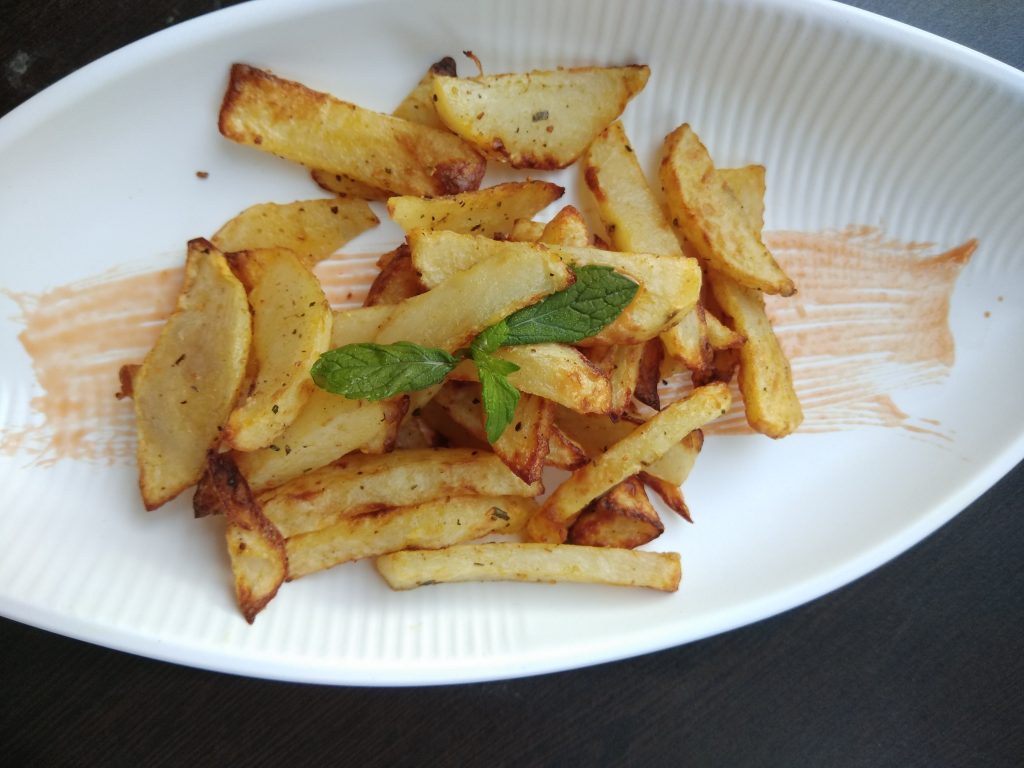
(871, 317)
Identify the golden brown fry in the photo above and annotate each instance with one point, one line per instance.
(649, 374)
(539, 119)
(488, 212)
(568, 227)
(621, 517)
(687, 341)
(564, 452)
(670, 493)
(635, 452)
(523, 446)
(621, 364)
(721, 336)
(532, 562)
(312, 229)
(287, 303)
(556, 372)
(443, 318)
(396, 281)
(748, 187)
(343, 186)
(711, 218)
(354, 326)
(418, 105)
(358, 484)
(256, 548)
(315, 129)
(430, 525)
(526, 231)
(185, 388)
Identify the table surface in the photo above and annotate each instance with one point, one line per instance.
(919, 663)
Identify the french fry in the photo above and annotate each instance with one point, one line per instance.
(354, 326)
(532, 562)
(524, 446)
(711, 218)
(721, 336)
(670, 493)
(287, 303)
(188, 383)
(687, 341)
(564, 452)
(637, 451)
(526, 231)
(488, 212)
(416, 107)
(539, 119)
(396, 281)
(621, 517)
(649, 374)
(668, 288)
(430, 525)
(357, 485)
(444, 319)
(255, 547)
(747, 185)
(596, 434)
(621, 364)
(312, 229)
(315, 129)
(567, 228)
(556, 372)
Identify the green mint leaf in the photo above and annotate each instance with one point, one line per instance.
(596, 298)
(491, 339)
(377, 372)
(499, 396)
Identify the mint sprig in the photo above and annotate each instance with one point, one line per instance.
(377, 371)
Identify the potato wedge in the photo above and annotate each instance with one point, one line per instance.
(649, 374)
(343, 186)
(636, 452)
(670, 493)
(418, 105)
(711, 218)
(621, 364)
(396, 281)
(564, 452)
(315, 129)
(669, 286)
(721, 336)
(353, 326)
(539, 119)
(358, 484)
(556, 372)
(621, 517)
(443, 318)
(489, 212)
(430, 525)
(747, 185)
(524, 446)
(188, 383)
(568, 227)
(312, 229)
(328, 427)
(532, 562)
(596, 434)
(526, 231)
(291, 328)
(255, 547)
(688, 342)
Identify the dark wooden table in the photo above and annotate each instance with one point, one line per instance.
(918, 664)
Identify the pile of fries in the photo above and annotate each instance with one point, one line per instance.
(308, 479)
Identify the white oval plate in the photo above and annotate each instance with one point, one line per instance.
(859, 121)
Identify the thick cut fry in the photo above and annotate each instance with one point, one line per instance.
(539, 119)
(327, 428)
(748, 187)
(649, 374)
(669, 286)
(524, 446)
(634, 453)
(564, 452)
(621, 365)
(418, 105)
(292, 121)
(596, 434)
(622, 517)
(291, 328)
(396, 281)
(431, 525)
(357, 484)
(311, 229)
(454, 311)
(255, 546)
(670, 493)
(526, 231)
(556, 372)
(488, 212)
(532, 562)
(354, 326)
(721, 336)
(711, 218)
(185, 388)
(567, 228)
(687, 341)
